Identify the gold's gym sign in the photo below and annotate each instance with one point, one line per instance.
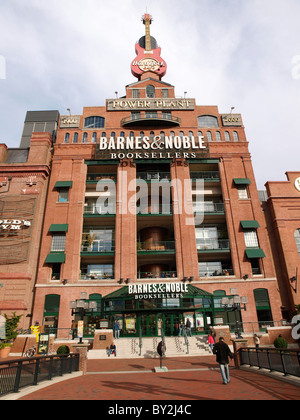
(13, 224)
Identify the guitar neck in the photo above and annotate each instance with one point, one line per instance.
(148, 37)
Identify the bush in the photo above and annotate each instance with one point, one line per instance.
(280, 343)
(3, 345)
(63, 350)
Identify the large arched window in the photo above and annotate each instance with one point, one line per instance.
(150, 91)
(94, 122)
(208, 121)
(297, 239)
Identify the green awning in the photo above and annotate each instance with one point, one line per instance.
(242, 181)
(63, 184)
(249, 224)
(255, 253)
(59, 228)
(58, 257)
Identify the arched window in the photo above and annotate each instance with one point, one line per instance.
(67, 137)
(181, 134)
(142, 134)
(131, 134)
(209, 136)
(94, 137)
(297, 239)
(227, 136)
(84, 138)
(150, 91)
(218, 136)
(208, 121)
(235, 136)
(113, 134)
(151, 137)
(172, 134)
(191, 134)
(103, 134)
(94, 122)
(122, 134)
(75, 138)
(162, 135)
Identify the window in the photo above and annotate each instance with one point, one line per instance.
(135, 115)
(94, 122)
(56, 271)
(209, 136)
(100, 271)
(63, 195)
(94, 137)
(242, 192)
(263, 307)
(227, 136)
(165, 93)
(218, 136)
(113, 135)
(167, 115)
(208, 121)
(150, 91)
(191, 134)
(67, 138)
(122, 134)
(151, 137)
(84, 138)
(58, 242)
(251, 239)
(135, 93)
(297, 239)
(75, 138)
(235, 136)
(210, 268)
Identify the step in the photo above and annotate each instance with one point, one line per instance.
(128, 348)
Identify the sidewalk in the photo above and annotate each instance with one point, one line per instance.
(188, 378)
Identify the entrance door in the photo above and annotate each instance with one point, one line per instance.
(171, 322)
(148, 325)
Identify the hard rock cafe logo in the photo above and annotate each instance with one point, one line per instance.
(149, 64)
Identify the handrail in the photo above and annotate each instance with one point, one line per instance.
(140, 341)
(20, 373)
(286, 361)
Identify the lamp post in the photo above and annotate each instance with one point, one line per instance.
(83, 307)
(235, 303)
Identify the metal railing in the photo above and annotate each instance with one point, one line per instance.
(98, 246)
(158, 246)
(207, 175)
(209, 207)
(214, 244)
(156, 275)
(100, 177)
(286, 361)
(153, 176)
(20, 373)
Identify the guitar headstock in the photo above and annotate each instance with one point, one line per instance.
(147, 18)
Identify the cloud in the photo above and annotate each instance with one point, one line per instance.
(69, 54)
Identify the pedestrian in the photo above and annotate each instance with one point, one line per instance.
(211, 342)
(181, 327)
(222, 351)
(213, 333)
(117, 329)
(73, 329)
(188, 327)
(112, 349)
(256, 341)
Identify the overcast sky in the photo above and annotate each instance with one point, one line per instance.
(63, 54)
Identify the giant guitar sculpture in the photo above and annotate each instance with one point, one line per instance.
(148, 54)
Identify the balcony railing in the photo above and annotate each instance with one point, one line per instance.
(207, 175)
(156, 275)
(212, 244)
(98, 210)
(208, 207)
(156, 246)
(99, 246)
(96, 276)
(158, 118)
(100, 177)
(153, 176)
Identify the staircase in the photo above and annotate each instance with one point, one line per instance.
(128, 348)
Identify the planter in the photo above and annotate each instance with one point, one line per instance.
(4, 352)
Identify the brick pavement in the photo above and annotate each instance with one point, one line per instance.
(188, 378)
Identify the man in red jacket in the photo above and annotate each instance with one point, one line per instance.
(222, 351)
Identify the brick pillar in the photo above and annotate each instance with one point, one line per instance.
(3, 152)
(183, 216)
(126, 243)
(237, 344)
(82, 349)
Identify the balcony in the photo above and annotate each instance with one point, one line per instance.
(153, 176)
(95, 210)
(156, 275)
(146, 248)
(94, 178)
(151, 119)
(207, 176)
(212, 245)
(209, 208)
(98, 247)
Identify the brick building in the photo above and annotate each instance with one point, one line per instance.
(127, 179)
(151, 210)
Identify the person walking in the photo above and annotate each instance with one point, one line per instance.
(117, 330)
(211, 342)
(222, 351)
(181, 328)
(188, 327)
(256, 341)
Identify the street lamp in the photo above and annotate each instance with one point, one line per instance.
(233, 304)
(83, 307)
